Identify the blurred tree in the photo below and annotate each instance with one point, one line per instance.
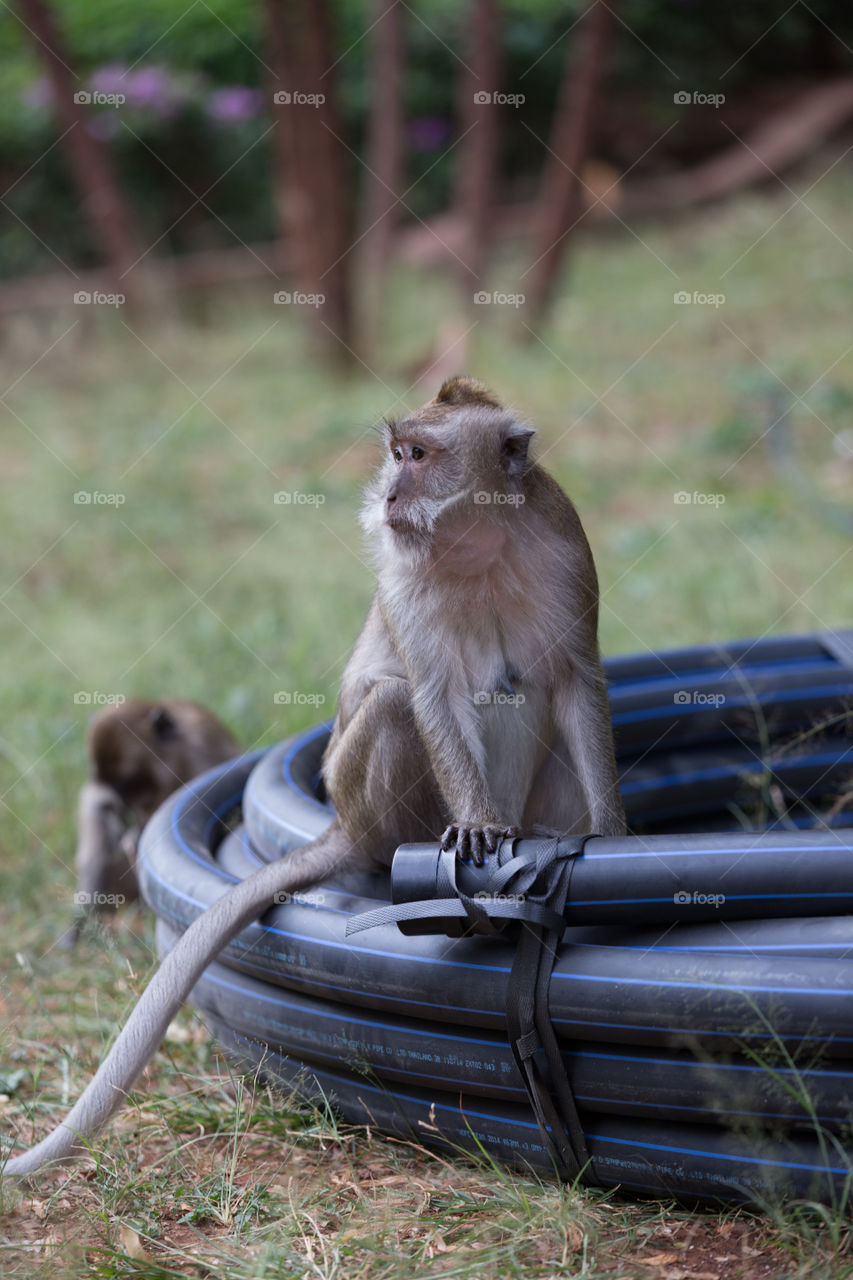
(383, 179)
(195, 116)
(310, 162)
(478, 153)
(104, 205)
(560, 201)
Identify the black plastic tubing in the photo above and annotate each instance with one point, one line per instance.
(613, 994)
(686, 1161)
(399, 1050)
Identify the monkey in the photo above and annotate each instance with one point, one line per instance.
(145, 750)
(139, 751)
(106, 849)
(474, 702)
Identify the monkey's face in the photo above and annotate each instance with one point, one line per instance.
(422, 475)
(445, 472)
(441, 492)
(136, 780)
(136, 750)
(418, 476)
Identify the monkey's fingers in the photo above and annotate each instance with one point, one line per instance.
(492, 834)
(475, 840)
(452, 837)
(458, 837)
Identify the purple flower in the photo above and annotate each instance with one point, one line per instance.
(112, 78)
(234, 104)
(426, 133)
(155, 89)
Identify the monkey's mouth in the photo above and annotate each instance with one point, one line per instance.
(399, 522)
(413, 520)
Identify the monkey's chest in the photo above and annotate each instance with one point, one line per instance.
(514, 736)
(513, 717)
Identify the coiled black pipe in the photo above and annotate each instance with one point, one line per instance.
(670, 1033)
(597, 992)
(690, 1162)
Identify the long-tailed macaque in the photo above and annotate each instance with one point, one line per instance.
(474, 703)
(139, 753)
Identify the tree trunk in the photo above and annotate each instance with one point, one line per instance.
(383, 181)
(311, 163)
(560, 207)
(111, 222)
(478, 152)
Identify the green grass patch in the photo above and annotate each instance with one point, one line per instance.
(199, 584)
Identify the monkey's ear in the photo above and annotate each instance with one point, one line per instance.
(162, 723)
(514, 449)
(457, 391)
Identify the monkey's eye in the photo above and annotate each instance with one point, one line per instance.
(418, 452)
(397, 453)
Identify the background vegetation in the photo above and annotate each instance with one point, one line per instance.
(200, 585)
(185, 577)
(178, 123)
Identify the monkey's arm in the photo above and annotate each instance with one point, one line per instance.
(100, 826)
(444, 716)
(447, 726)
(105, 870)
(373, 658)
(167, 990)
(582, 716)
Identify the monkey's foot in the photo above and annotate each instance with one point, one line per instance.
(475, 841)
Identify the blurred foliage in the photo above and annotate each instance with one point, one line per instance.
(194, 144)
(199, 584)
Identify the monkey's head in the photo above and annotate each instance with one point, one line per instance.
(458, 460)
(135, 749)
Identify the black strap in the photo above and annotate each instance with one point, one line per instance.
(531, 1033)
(540, 883)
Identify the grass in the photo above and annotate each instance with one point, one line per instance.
(199, 584)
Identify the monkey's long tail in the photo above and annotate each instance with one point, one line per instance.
(167, 990)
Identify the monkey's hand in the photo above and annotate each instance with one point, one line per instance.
(129, 843)
(475, 841)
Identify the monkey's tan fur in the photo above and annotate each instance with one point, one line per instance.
(139, 753)
(474, 702)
